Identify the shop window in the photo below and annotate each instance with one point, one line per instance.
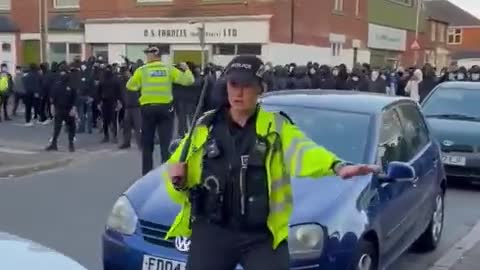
(5, 4)
(224, 49)
(357, 8)
(454, 36)
(6, 47)
(74, 51)
(254, 49)
(404, 2)
(66, 3)
(100, 50)
(58, 52)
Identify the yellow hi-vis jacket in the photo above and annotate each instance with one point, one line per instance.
(291, 154)
(4, 83)
(154, 81)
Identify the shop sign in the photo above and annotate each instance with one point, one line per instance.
(386, 38)
(178, 33)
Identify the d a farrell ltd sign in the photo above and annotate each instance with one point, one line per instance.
(187, 33)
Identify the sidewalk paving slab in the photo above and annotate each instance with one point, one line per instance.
(470, 261)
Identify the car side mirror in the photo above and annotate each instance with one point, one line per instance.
(399, 172)
(174, 145)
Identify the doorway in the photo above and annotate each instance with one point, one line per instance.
(31, 52)
(194, 56)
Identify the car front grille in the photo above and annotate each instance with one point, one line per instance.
(462, 171)
(459, 148)
(155, 234)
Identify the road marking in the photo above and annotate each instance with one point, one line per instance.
(456, 252)
(15, 151)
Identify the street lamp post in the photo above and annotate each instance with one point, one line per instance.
(201, 38)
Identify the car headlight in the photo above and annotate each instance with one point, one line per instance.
(306, 241)
(123, 218)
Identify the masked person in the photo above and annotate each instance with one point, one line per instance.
(281, 78)
(341, 77)
(63, 99)
(475, 74)
(33, 84)
(376, 83)
(18, 89)
(109, 93)
(412, 87)
(154, 81)
(86, 95)
(234, 146)
(428, 83)
(462, 74)
(324, 78)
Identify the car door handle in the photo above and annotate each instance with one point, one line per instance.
(415, 180)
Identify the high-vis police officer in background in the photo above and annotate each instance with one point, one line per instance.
(235, 186)
(154, 81)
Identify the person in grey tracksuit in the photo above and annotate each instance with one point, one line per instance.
(18, 89)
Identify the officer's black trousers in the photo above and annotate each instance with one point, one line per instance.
(60, 116)
(159, 118)
(217, 248)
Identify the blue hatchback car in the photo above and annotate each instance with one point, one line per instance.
(365, 223)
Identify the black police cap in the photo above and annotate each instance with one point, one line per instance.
(245, 69)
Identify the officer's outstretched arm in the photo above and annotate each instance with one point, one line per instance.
(183, 78)
(135, 82)
(303, 157)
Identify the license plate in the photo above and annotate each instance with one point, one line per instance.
(155, 263)
(454, 160)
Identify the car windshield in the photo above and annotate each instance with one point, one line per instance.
(344, 133)
(453, 103)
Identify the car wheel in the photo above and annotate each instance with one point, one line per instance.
(429, 240)
(366, 257)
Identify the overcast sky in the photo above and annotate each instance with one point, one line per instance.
(472, 6)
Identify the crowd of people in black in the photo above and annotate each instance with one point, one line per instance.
(91, 94)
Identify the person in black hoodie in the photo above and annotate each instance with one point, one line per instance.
(301, 79)
(428, 83)
(323, 79)
(86, 95)
(341, 77)
(281, 78)
(357, 81)
(109, 93)
(33, 87)
(133, 115)
(63, 98)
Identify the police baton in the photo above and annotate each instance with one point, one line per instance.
(177, 181)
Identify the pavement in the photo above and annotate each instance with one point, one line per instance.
(470, 261)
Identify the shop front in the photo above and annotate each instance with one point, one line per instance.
(386, 45)
(225, 37)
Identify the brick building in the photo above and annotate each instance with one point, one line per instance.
(436, 48)
(463, 36)
(282, 31)
(392, 31)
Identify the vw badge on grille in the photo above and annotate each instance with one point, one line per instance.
(448, 143)
(182, 244)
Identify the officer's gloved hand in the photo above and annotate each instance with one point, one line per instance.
(178, 173)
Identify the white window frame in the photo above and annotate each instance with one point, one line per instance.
(442, 32)
(357, 8)
(433, 31)
(453, 32)
(338, 5)
(407, 3)
(7, 5)
(56, 6)
(336, 48)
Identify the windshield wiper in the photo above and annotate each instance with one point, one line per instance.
(454, 116)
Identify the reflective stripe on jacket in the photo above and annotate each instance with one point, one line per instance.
(291, 154)
(154, 81)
